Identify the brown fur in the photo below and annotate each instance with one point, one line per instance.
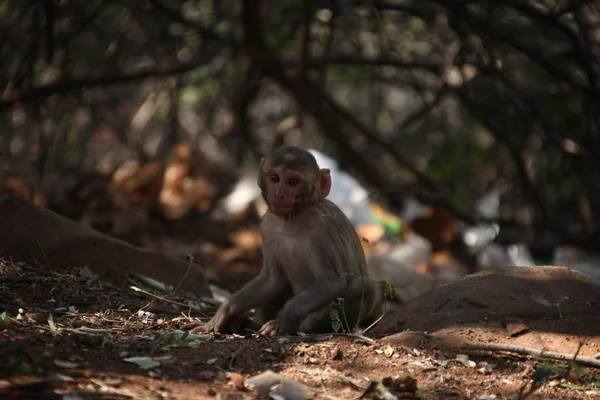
(312, 254)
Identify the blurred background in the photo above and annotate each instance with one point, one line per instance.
(461, 135)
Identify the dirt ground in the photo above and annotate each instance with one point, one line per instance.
(70, 333)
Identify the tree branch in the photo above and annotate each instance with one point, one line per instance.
(583, 360)
(460, 12)
(176, 16)
(328, 113)
(41, 92)
(383, 61)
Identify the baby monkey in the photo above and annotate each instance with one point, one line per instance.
(311, 255)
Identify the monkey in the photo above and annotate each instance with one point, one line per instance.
(312, 256)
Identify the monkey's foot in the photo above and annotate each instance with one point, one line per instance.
(270, 328)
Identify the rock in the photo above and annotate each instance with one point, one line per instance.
(535, 292)
(31, 232)
(271, 384)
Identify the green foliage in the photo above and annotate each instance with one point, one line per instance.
(339, 324)
(167, 340)
(388, 289)
(336, 322)
(592, 389)
(18, 365)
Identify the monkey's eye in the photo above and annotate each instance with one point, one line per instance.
(293, 181)
(275, 178)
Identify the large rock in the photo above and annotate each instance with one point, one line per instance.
(533, 292)
(30, 232)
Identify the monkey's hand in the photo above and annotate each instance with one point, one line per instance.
(270, 328)
(218, 323)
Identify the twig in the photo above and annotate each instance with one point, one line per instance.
(137, 289)
(109, 389)
(358, 336)
(335, 374)
(43, 253)
(25, 279)
(323, 384)
(96, 330)
(191, 261)
(377, 320)
(350, 335)
(235, 355)
(583, 360)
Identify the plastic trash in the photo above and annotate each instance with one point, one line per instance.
(346, 192)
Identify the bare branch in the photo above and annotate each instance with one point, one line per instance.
(41, 92)
(589, 361)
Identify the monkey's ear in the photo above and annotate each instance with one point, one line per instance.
(324, 183)
(260, 170)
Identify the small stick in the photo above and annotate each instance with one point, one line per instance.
(43, 253)
(191, 260)
(358, 336)
(374, 323)
(323, 384)
(235, 355)
(583, 360)
(137, 289)
(326, 336)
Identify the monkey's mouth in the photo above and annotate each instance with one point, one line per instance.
(281, 209)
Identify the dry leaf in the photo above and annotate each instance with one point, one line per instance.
(237, 381)
(401, 383)
(464, 359)
(388, 350)
(515, 326)
(65, 364)
(86, 272)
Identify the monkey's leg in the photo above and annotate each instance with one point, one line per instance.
(362, 300)
(271, 309)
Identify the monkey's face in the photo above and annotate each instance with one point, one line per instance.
(286, 190)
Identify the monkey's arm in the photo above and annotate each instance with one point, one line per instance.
(258, 291)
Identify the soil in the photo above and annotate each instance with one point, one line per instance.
(71, 333)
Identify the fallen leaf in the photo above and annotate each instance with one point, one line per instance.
(143, 362)
(337, 355)
(65, 364)
(464, 359)
(515, 326)
(401, 383)
(388, 350)
(86, 272)
(485, 369)
(237, 381)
